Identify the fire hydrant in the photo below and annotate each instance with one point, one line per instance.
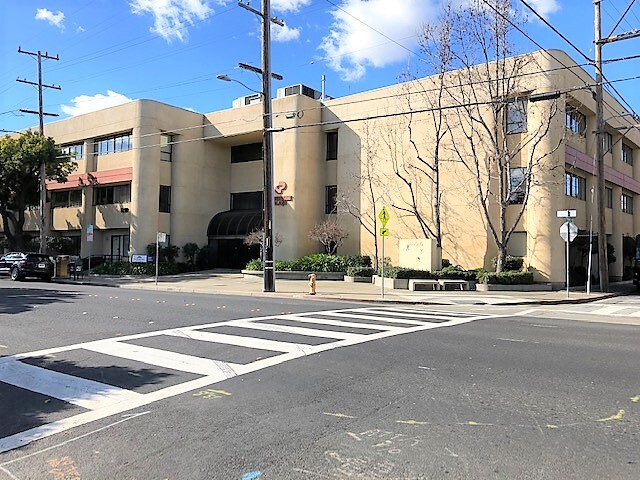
(312, 283)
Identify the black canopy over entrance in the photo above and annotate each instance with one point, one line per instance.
(226, 233)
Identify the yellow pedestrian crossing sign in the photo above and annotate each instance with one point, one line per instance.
(384, 232)
(384, 217)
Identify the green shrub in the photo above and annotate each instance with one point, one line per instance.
(511, 263)
(255, 264)
(190, 251)
(404, 273)
(456, 273)
(360, 271)
(445, 263)
(148, 269)
(506, 278)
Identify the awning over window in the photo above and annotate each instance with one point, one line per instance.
(234, 223)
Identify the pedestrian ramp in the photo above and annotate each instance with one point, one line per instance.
(96, 379)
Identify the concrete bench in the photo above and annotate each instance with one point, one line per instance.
(463, 284)
(432, 284)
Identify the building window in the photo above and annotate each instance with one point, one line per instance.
(576, 121)
(113, 144)
(66, 198)
(164, 204)
(331, 199)
(112, 194)
(76, 152)
(517, 115)
(626, 203)
(517, 185)
(332, 145)
(575, 186)
(607, 142)
(246, 201)
(246, 153)
(166, 147)
(608, 197)
(627, 154)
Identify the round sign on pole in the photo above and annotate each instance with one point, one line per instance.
(571, 234)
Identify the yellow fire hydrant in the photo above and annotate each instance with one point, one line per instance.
(312, 283)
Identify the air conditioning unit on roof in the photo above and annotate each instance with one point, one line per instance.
(300, 89)
(247, 100)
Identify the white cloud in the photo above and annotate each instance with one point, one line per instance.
(54, 19)
(545, 7)
(289, 5)
(354, 42)
(284, 34)
(172, 17)
(88, 103)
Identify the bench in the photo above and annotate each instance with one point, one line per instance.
(463, 284)
(433, 284)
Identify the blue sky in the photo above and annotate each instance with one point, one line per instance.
(171, 50)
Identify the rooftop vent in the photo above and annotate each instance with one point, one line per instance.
(300, 89)
(247, 100)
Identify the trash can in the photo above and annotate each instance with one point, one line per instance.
(62, 266)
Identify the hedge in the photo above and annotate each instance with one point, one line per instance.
(148, 269)
(452, 273)
(317, 262)
(360, 271)
(506, 278)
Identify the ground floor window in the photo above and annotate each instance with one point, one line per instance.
(119, 247)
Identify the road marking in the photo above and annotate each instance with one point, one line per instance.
(338, 415)
(338, 323)
(412, 422)
(214, 371)
(75, 390)
(617, 416)
(516, 340)
(370, 317)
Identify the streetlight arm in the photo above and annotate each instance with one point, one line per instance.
(227, 78)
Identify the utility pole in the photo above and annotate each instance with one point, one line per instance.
(268, 271)
(41, 113)
(603, 265)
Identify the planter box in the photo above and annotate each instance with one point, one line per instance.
(530, 287)
(296, 275)
(350, 279)
(392, 283)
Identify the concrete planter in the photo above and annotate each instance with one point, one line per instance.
(296, 275)
(392, 283)
(532, 287)
(350, 279)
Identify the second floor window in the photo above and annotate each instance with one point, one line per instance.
(112, 194)
(164, 203)
(332, 145)
(517, 115)
(608, 197)
(166, 147)
(76, 152)
(246, 153)
(66, 198)
(113, 144)
(246, 201)
(331, 199)
(575, 121)
(627, 154)
(517, 185)
(575, 186)
(626, 203)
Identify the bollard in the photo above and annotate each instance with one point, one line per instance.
(312, 283)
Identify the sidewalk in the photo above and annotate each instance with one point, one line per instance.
(225, 283)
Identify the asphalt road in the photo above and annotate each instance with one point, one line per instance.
(462, 392)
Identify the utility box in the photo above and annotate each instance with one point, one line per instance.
(419, 254)
(62, 266)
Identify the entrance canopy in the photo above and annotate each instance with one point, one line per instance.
(234, 223)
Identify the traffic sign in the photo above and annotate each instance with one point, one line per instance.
(384, 216)
(572, 232)
(90, 233)
(566, 213)
(384, 232)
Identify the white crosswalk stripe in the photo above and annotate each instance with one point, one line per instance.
(333, 328)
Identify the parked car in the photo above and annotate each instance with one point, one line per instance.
(19, 265)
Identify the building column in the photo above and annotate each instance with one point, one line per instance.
(615, 269)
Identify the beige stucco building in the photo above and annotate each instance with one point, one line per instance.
(147, 167)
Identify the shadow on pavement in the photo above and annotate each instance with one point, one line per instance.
(17, 300)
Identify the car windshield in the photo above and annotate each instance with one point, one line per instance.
(37, 258)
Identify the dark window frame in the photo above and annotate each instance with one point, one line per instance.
(66, 198)
(248, 152)
(164, 199)
(518, 190)
(332, 145)
(627, 154)
(575, 121)
(112, 144)
(608, 197)
(330, 199)
(575, 186)
(516, 115)
(112, 194)
(246, 200)
(626, 203)
(166, 147)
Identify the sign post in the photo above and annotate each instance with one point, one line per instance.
(384, 232)
(568, 232)
(90, 242)
(160, 238)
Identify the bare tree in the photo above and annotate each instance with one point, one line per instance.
(362, 202)
(257, 238)
(329, 234)
(492, 138)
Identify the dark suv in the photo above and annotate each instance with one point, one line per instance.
(20, 265)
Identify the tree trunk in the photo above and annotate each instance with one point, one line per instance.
(502, 257)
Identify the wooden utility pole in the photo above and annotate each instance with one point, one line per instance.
(41, 113)
(603, 264)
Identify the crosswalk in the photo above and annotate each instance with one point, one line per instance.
(231, 348)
